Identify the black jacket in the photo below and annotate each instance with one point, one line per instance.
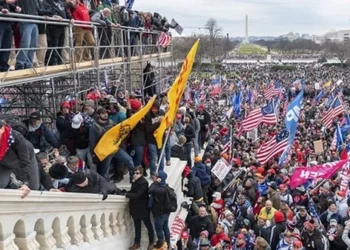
(41, 136)
(194, 187)
(80, 136)
(96, 132)
(189, 133)
(29, 7)
(17, 156)
(151, 124)
(58, 8)
(158, 194)
(138, 199)
(315, 242)
(276, 231)
(62, 122)
(97, 184)
(5, 5)
(137, 135)
(178, 152)
(204, 119)
(199, 224)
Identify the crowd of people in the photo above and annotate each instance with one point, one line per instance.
(43, 44)
(252, 207)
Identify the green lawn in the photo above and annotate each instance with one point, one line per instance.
(251, 49)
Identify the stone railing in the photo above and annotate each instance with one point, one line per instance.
(46, 220)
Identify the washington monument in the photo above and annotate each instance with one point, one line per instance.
(246, 40)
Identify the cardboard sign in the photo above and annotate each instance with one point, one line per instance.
(253, 134)
(221, 169)
(178, 28)
(318, 145)
(317, 86)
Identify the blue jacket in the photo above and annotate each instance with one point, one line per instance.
(262, 188)
(201, 172)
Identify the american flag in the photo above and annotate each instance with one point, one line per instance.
(335, 109)
(227, 147)
(257, 116)
(271, 91)
(312, 211)
(164, 40)
(273, 147)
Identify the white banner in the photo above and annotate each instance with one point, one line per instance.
(221, 169)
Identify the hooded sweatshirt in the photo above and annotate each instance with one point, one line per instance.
(201, 172)
(157, 198)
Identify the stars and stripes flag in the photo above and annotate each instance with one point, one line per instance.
(312, 211)
(271, 91)
(257, 116)
(226, 148)
(335, 109)
(164, 40)
(273, 147)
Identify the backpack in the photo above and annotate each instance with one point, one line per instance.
(15, 123)
(231, 230)
(170, 200)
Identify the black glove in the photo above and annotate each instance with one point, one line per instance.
(121, 192)
(105, 194)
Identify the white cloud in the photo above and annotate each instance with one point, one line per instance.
(266, 17)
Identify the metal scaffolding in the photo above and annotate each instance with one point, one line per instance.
(119, 53)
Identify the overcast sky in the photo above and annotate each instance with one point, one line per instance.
(266, 17)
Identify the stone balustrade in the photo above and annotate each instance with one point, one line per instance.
(55, 221)
(46, 221)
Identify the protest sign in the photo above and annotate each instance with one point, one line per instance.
(178, 28)
(318, 145)
(221, 169)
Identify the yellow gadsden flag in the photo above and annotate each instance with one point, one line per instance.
(110, 141)
(327, 84)
(175, 93)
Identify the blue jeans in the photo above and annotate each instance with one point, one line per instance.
(167, 150)
(5, 43)
(161, 225)
(188, 148)
(29, 39)
(137, 154)
(121, 155)
(154, 153)
(196, 145)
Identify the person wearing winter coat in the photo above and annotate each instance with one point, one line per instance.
(91, 182)
(301, 217)
(218, 236)
(39, 134)
(201, 171)
(157, 204)
(138, 206)
(329, 214)
(194, 187)
(178, 150)
(189, 133)
(152, 121)
(334, 235)
(277, 229)
(274, 196)
(312, 238)
(16, 152)
(204, 119)
(342, 204)
(229, 224)
(200, 223)
(263, 227)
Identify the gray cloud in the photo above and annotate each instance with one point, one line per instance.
(266, 17)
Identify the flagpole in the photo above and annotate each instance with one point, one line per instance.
(163, 148)
(231, 140)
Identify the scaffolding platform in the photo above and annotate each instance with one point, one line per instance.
(17, 77)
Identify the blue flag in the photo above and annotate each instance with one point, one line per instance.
(249, 96)
(129, 4)
(237, 103)
(291, 122)
(319, 96)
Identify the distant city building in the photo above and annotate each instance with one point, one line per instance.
(333, 35)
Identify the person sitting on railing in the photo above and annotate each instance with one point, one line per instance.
(6, 6)
(80, 12)
(56, 33)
